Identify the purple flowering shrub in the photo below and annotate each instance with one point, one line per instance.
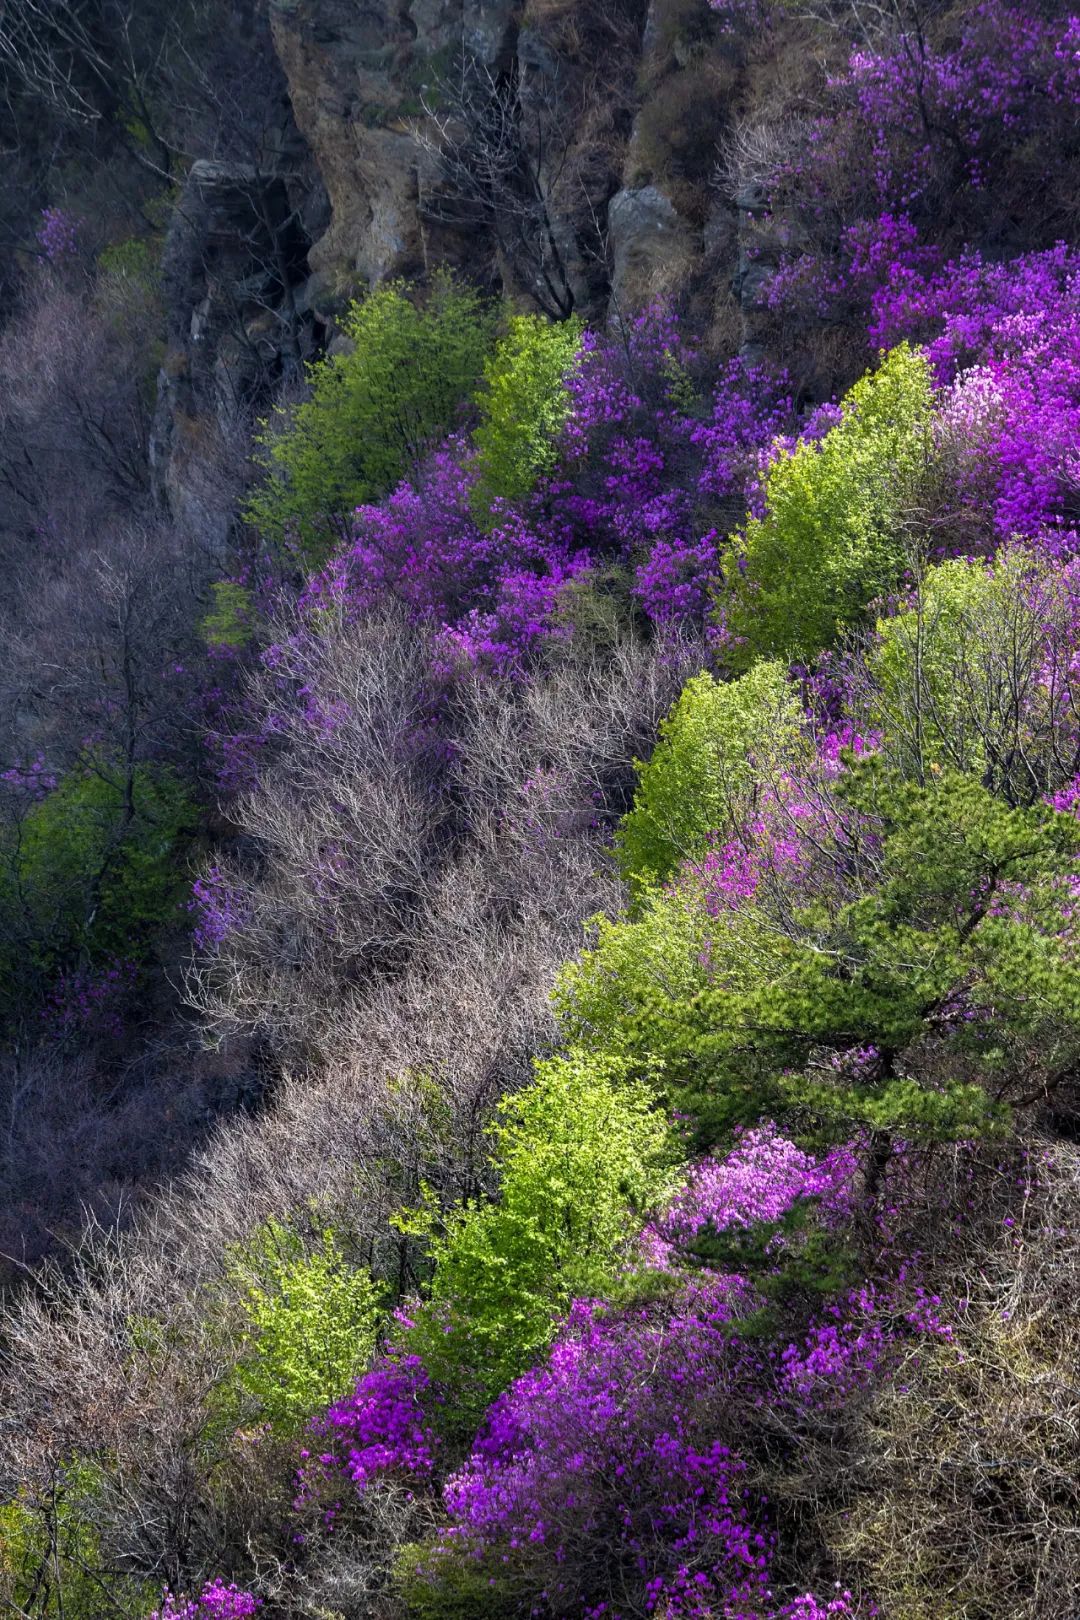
(383, 1427)
(737, 15)
(34, 779)
(613, 1479)
(644, 476)
(644, 1402)
(1006, 339)
(758, 1182)
(614, 1464)
(925, 128)
(217, 908)
(87, 1002)
(58, 235)
(216, 1601)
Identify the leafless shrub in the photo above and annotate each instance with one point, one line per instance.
(754, 152)
(344, 825)
(83, 1134)
(500, 144)
(351, 826)
(962, 1494)
(873, 23)
(75, 402)
(106, 644)
(115, 1351)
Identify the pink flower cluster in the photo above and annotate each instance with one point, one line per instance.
(58, 235)
(1010, 336)
(615, 1442)
(217, 908)
(89, 1002)
(758, 1181)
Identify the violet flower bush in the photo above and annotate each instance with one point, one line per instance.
(216, 1601)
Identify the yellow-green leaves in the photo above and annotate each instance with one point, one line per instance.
(577, 1153)
(523, 407)
(372, 413)
(832, 536)
(311, 1318)
(719, 743)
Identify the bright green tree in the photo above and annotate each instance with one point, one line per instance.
(976, 671)
(229, 623)
(720, 743)
(311, 1318)
(52, 1564)
(945, 988)
(372, 412)
(576, 1154)
(523, 407)
(832, 537)
(93, 870)
(659, 958)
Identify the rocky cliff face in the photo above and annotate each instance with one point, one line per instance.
(622, 111)
(572, 167)
(234, 272)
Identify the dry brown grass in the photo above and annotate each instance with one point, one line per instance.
(963, 1494)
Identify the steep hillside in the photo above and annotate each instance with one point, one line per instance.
(539, 785)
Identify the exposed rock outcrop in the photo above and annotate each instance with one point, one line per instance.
(235, 260)
(615, 113)
(651, 244)
(361, 80)
(358, 75)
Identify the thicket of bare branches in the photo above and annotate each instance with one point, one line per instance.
(502, 149)
(168, 83)
(963, 1494)
(419, 1057)
(366, 809)
(527, 153)
(76, 404)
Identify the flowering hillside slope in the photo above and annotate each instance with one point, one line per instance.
(645, 869)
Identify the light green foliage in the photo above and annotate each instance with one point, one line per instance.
(721, 740)
(523, 407)
(975, 673)
(93, 867)
(311, 1318)
(659, 953)
(576, 1153)
(440, 1580)
(965, 898)
(658, 959)
(915, 661)
(372, 412)
(831, 539)
(229, 621)
(51, 1561)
